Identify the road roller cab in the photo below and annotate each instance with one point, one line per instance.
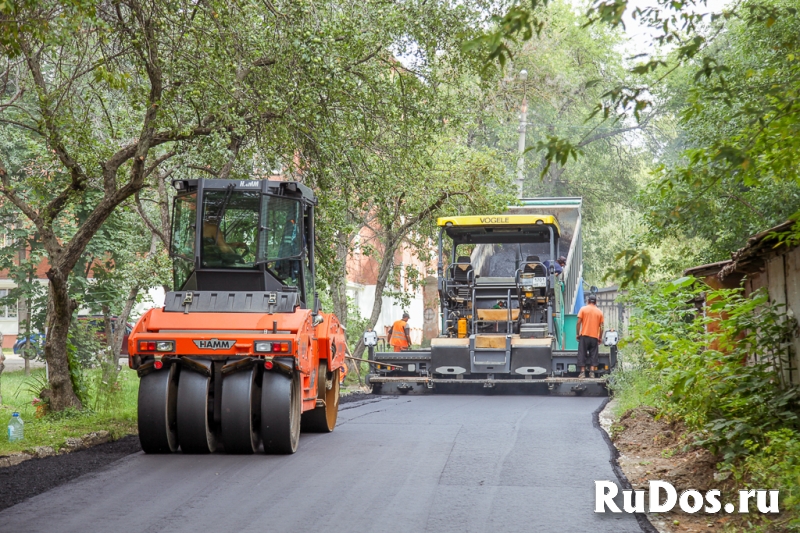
(240, 354)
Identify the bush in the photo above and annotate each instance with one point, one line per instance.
(635, 382)
(776, 465)
(83, 345)
(721, 371)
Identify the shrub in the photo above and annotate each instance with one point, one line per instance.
(635, 382)
(776, 465)
(723, 370)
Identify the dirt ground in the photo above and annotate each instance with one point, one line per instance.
(656, 449)
(40, 474)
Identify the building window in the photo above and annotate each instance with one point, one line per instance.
(7, 310)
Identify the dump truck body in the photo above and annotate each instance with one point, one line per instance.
(507, 316)
(240, 354)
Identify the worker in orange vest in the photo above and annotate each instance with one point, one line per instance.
(589, 331)
(399, 335)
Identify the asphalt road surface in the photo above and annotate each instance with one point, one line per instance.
(405, 464)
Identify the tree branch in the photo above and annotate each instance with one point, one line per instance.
(149, 223)
(53, 136)
(157, 162)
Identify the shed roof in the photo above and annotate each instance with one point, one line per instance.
(711, 269)
(751, 257)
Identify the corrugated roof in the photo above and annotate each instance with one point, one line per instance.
(751, 257)
(706, 270)
(759, 248)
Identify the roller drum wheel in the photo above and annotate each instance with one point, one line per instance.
(322, 419)
(195, 434)
(241, 408)
(158, 394)
(281, 407)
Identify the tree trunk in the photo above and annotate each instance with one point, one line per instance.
(110, 363)
(339, 286)
(163, 209)
(384, 269)
(59, 313)
(107, 329)
(122, 323)
(2, 367)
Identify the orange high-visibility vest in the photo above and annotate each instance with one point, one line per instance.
(398, 337)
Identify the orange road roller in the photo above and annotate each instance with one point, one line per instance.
(241, 354)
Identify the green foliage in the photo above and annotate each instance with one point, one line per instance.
(101, 104)
(557, 151)
(569, 68)
(518, 20)
(119, 418)
(634, 266)
(32, 386)
(729, 173)
(730, 78)
(356, 325)
(723, 372)
(775, 463)
(635, 382)
(83, 345)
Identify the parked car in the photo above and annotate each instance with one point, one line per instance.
(37, 342)
(98, 321)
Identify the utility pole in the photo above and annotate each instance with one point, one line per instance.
(523, 123)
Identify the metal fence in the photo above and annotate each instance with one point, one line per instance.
(616, 315)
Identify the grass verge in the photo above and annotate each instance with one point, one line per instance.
(635, 384)
(115, 413)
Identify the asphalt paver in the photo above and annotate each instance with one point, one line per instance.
(440, 463)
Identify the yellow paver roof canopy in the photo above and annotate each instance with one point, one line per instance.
(499, 220)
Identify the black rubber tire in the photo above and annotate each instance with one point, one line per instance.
(195, 433)
(323, 419)
(241, 412)
(281, 407)
(158, 395)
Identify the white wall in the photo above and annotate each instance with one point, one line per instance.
(391, 311)
(154, 298)
(10, 326)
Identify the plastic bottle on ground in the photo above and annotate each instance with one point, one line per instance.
(16, 428)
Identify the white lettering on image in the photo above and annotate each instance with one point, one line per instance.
(663, 497)
(603, 499)
(655, 497)
(712, 497)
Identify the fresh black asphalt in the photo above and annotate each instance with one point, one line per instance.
(442, 463)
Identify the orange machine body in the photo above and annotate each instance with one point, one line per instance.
(308, 344)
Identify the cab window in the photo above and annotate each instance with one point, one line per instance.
(230, 226)
(183, 236)
(282, 244)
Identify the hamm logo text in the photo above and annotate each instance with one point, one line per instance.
(214, 344)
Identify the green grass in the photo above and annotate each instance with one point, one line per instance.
(116, 415)
(634, 384)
